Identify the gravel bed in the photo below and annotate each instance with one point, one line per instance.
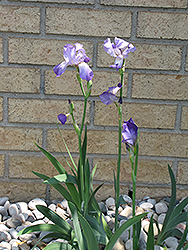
(16, 216)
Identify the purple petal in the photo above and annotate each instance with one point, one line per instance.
(120, 43)
(86, 72)
(62, 118)
(118, 63)
(108, 47)
(129, 132)
(69, 52)
(115, 89)
(108, 98)
(60, 68)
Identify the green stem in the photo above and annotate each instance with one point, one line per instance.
(84, 114)
(81, 171)
(117, 188)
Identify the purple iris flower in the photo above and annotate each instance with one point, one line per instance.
(75, 56)
(62, 118)
(109, 96)
(119, 49)
(129, 132)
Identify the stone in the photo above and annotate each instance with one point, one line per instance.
(61, 212)
(110, 202)
(52, 207)
(161, 207)
(13, 233)
(3, 200)
(127, 199)
(152, 201)
(171, 242)
(155, 229)
(5, 245)
(127, 233)
(139, 210)
(129, 244)
(103, 207)
(38, 214)
(24, 246)
(27, 237)
(46, 240)
(22, 207)
(5, 236)
(161, 218)
(119, 245)
(14, 221)
(3, 211)
(3, 227)
(127, 212)
(156, 247)
(146, 205)
(13, 209)
(37, 201)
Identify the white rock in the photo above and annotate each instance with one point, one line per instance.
(3, 200)
(37, 201)
(22, 206)
(127, 199)
(13, 233)
(5, 245)
(146, 205)
(7, 205)
(161, 207)
(152, 201)
(129, 244)
(27, 237)
(146, 198)
(38, 214)
(110, 202)
(64, 204)
(5, 236)
(143, 235)
(127, 211)
(14, 242)
(172, 242)
(107, 218)
(61, 212)
(3, 211)
(52, 207)
(161, 218)
(13, 209)
(119, 245)
(4, 228)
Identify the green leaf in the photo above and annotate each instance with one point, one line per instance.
(183, 238)
(150, 240)
(84, 145)
(55, 218)
(186, 247)
(42, 227)
(58, 246)
(98, 230)
(67, 178)
(89, 234)
(121, 229)
(77, 228)
(178, 209)
(86, 184)
(57, 186)
(176, 220)
(92, 176)
(67, 149)
(53, 160)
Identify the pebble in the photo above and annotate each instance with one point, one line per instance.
(161, 207)
(16, 216)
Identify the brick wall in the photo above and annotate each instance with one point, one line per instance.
(32, 34)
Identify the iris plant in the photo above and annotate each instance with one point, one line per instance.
(119, 49)
(75, 56)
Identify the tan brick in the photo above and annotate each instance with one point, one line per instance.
(54, 140)
(154, 86)
(181, 193)
(157, 193)
(2, 165)
(164, 144)
(158, 116)
(40, 51)
(12, 138)
(162, 25)
(182, 173)
(101, 142)
(149, 171)
(21, 166)
(22, 191)
(184, 118)
(20, 19)
(1, 108)
(61, 85)
(73, 22)
(147, 56)
(1, 49)
(144, 3)
(62, 1)
(43, 111)
(22, 80)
